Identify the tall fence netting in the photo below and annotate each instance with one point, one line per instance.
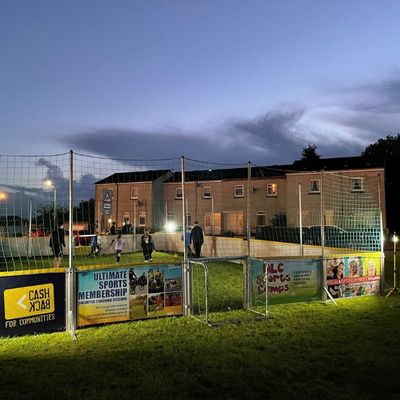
(243, 209)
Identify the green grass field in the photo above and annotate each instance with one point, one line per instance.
(304, 351)
(80, 259)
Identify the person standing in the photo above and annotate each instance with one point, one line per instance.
(146, 241)
(119, 246)
(57, 242)
(95, 245)
(197, 238)
(113, 229)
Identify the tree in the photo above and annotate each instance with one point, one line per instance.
(310, 159)
(387, 152)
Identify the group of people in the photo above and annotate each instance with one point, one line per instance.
(57, 244)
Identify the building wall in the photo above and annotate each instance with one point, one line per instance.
(122, 204)
(339, 200)
(222, 212)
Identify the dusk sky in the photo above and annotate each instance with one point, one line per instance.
(214, 80)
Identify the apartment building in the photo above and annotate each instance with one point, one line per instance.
(225, 201)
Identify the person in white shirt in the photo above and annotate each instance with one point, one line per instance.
(119, 246)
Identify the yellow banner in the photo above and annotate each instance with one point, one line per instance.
(28, 301)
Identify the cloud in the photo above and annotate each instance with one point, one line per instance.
(364, 112)
(266, 138)
(354, 117)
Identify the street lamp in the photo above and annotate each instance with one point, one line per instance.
(3, 196)
(395, 239)
(50, 185)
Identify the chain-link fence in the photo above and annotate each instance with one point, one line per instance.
(241, 209)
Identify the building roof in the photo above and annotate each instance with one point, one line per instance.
(273, 171)
(337, 163)
(137, 176)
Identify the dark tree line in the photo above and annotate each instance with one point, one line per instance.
(83, 212)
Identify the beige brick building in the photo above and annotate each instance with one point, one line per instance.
(218, 199)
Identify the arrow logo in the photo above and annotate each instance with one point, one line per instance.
(20, 302)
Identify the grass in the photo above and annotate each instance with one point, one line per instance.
(81, 260)
(305, 351)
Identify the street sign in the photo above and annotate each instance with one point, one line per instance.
(107, 201)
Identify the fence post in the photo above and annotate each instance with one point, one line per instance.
(322, 216)
(248, 227)
(70, 275)
(382, 288)
(246, 264)
(323, 274)
(301, 223)
(187, 276)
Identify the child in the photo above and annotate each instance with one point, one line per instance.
(147, 246)
(119, 246)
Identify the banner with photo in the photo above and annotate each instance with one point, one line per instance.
(289, 281)
(32, 303)
(129, 293)
(353, 275)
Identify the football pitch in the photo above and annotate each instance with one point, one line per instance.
(304, 351)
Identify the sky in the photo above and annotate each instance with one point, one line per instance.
(215, 80)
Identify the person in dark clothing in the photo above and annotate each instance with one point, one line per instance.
(197, 238)
(147, 244)
(113, 229)
(57, 242)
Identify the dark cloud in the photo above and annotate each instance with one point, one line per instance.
(367, 111)
(271, 138)
(358, 116)
(380, 97)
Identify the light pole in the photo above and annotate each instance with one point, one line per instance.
(49, 184)
(394, 289)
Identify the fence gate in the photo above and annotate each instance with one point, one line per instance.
(222, 293)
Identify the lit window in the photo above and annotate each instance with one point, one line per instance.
(314, 186)
(206, 192)
(178, 193)
(261, 218)
(134, 193)
(357, 184)
(239, 191)
(272, 189)
(142, 218)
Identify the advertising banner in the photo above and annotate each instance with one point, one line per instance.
(289, 281)
(123, 294)
(350, 276)
(32, 303)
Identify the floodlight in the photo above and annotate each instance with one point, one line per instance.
(170, 227)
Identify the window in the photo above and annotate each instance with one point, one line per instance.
(206, 192)
(357, 184)
(134, 193)
(272, 189)
(314, 186)
(170, 217)
(261, 218)
(142, 218)
(188, 219)
(239, 191)
(178, 193)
